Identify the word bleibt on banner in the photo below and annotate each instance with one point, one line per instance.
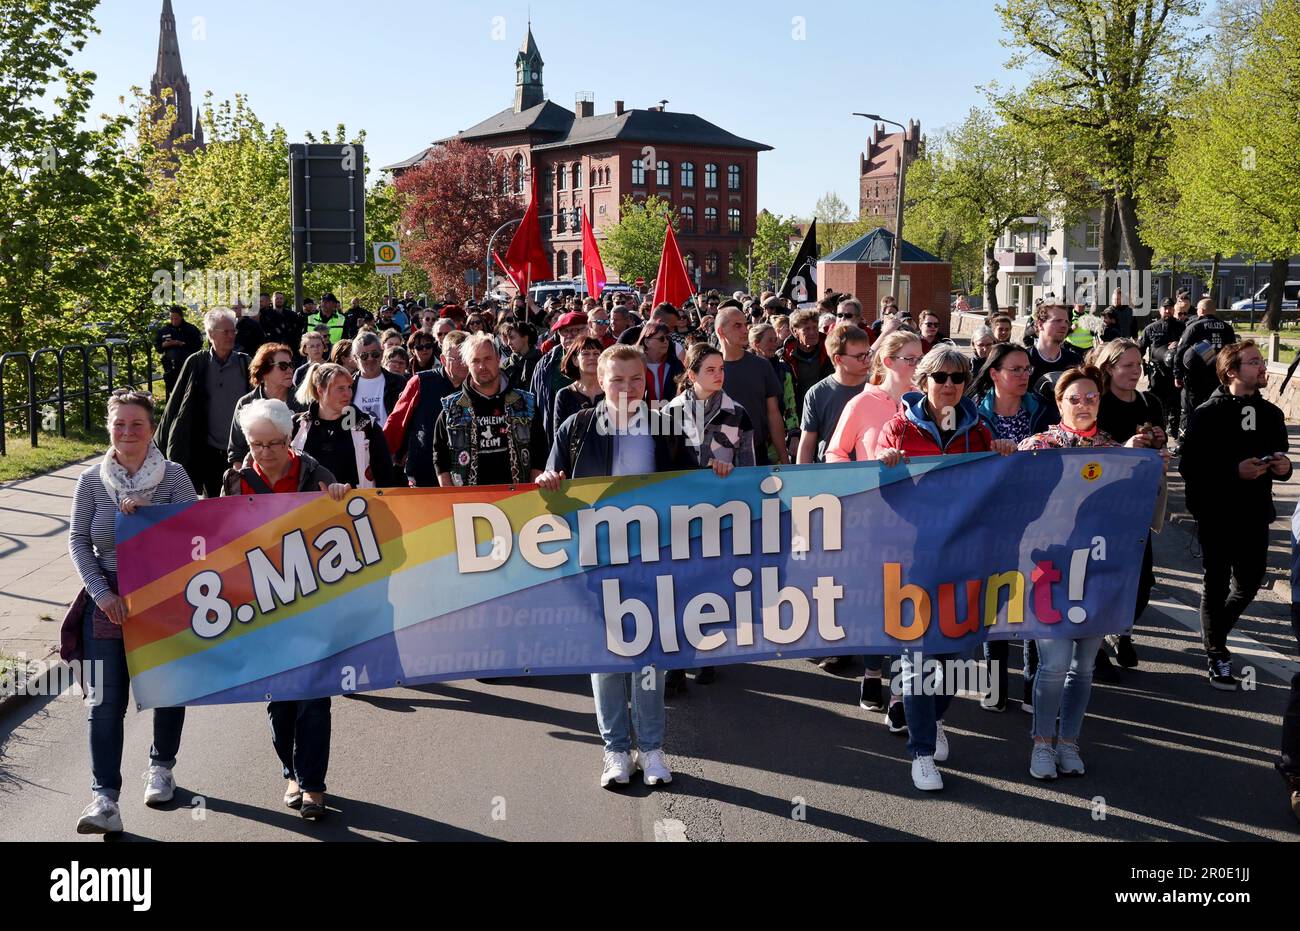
(296, 596)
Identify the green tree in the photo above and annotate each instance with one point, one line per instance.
(1234, 178)
(1108, 77)
(971, 185)
(770, 249)
(635, 243)
(835, 224)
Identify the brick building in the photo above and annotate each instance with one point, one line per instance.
(590, 161)
(862, 268)
(878, 172)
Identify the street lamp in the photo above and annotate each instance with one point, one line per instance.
(895, 271)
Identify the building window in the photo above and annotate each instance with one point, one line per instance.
(544, 183)
(710, 219)
(607, 176)
(733, 177)
(559, 220)
(663, 174)
(506, 185)
(688, 175)
(711, 177)
(638, 171)
(561, 178)
(733, 219)
(518, 173)
(561, 265)
(1092, 239)
(577, 263)
(687, 216)
(689, 259)
(577, 175)
(1239, 287)
(575, 222)
(711, 263)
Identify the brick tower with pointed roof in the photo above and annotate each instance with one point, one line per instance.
(170, 75)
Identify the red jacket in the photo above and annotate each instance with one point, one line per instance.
(914, 435)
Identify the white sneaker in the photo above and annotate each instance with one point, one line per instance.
(618, 769)
(101, 816)
(940, 743)
(924, 774)
(653, 768)
(160, 786)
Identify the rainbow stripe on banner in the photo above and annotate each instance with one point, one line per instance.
(295, 596)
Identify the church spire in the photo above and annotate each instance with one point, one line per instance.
(170, 75)
(529, 92)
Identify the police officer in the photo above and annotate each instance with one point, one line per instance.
(176, 341)
(1158, 342)
(328, 317)
(1194, 369)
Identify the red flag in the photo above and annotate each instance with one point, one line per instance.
(674, 284)
(509, 274)
(526, 257)
(592, 266)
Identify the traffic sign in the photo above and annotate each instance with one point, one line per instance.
(388, 258)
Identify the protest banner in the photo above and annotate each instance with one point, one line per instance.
(294, 596)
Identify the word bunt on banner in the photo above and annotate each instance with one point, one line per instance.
(296, 596)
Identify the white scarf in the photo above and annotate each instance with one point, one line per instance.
(140, 486)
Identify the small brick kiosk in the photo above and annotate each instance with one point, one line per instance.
(862, 268)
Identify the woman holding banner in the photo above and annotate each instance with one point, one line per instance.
(893, 364)
(936, 421)
(1063, 683)
(337, 434)
(300, 730)
(133, 473)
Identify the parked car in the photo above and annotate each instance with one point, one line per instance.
(1259, 303)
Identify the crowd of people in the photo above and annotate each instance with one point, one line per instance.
(505, 393)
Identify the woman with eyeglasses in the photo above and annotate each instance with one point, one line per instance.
(271, 374)
(421, 347)
(598, 324)
(935, 421)
(1012, 412)
(1063, 682)
(133, 473)
(663, 368)
(300, 730)
(584, 391)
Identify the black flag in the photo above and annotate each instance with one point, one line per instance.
(801, 284)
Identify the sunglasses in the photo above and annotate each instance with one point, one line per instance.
(282, 366)
(849, 316)
(601, 322)
(370, 356)
(423, 347)
(1075, 400)
(942, 378)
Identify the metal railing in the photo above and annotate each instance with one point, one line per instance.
(96, 382)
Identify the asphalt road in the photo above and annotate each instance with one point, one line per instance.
(774, 751)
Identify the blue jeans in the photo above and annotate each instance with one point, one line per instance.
(613, 691)
(923, 711)
(300, 733)
(1063, 686)
(106, 679)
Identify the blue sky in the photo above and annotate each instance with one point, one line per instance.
(409, 72)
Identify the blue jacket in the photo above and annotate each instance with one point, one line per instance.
(1042, 413)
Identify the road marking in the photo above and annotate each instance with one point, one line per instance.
(670, 831)
(1241, 645)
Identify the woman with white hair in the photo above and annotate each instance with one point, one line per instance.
(300, 730)
(339, 436)
(132, 474)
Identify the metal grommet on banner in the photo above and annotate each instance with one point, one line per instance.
(398, 683)
(268, 696)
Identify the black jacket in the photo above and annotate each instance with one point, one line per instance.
(1209, 329)
(344, 464)
(174, 357)
(1220, 435)
(1155, 341)
(310, 475)
(584, 447)
(183, 428)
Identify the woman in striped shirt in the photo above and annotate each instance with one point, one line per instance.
(132, 474)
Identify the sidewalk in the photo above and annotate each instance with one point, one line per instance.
(37, 578)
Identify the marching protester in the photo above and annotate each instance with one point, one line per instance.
(1050, 352)
(1234, 449)
(805, 353)
(421, 351)
(584, 391)
(1120, 314)
(300, 730)
(337, 434)
(856, 436)
(548, 374)
(271, 375)
(982, 342)
(753, 384)
(663, 368)
(849, 349)
(1125, 413)
(375, 389)
(133, 473)
(764, 343)
(194, 431)
(713, 428)
(488, 433)
(1063, 681)
(929, 323)
(620, 437)
(315, 350)
(521, 339)
(356, 316)
(397, 361)
(249, 335)
(409, 431)
(1195, 371)
(341, 354)
(1012, 412)
(1001, 327)
(935, 421)
(1158, 343)
(176, 341)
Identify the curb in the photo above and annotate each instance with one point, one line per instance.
(8, 702)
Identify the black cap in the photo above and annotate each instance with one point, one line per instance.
(329, 296)
(306, 301)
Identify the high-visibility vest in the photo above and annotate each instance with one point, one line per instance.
(335, 325)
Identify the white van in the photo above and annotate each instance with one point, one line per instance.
(1290, 293)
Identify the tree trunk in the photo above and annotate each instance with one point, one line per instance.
(991, 267)
(1214, 278)
(1138, 253)
(1276, 282)
(1108, 255)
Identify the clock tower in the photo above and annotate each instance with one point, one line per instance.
(528, 75)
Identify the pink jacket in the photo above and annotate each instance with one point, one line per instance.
(860, 426)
